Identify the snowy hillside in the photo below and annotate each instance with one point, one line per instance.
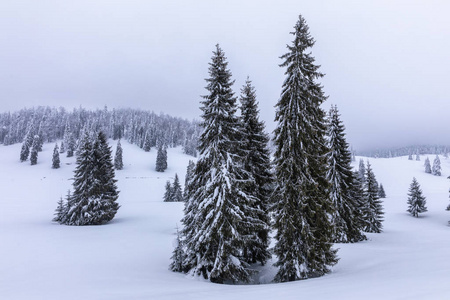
(129, 257)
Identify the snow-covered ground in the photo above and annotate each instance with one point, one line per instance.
(129, 257)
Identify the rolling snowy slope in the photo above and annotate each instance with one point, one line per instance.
(129, 257)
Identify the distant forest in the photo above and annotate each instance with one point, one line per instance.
(404, 151)
(143, 128)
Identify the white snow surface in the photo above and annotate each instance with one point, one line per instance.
(129, 257)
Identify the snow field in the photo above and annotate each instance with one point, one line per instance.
(129, 257)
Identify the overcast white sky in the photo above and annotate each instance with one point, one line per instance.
(386, 62)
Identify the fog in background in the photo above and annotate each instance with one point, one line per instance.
(386, 62)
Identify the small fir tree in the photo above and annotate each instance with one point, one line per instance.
(381, 192)
(416, 201)
(427, 166)
(118, 160)
(60, 211)
(147, 142)
(436, 170)
(177, 194)
(56, 163)
(26, 146)
(417, 157)
(373, 213)
(178, 256)
(410, 157)
(161, 159)
(168, 193)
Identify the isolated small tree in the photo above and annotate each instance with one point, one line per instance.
(410, 157)
(118, 161)
(168, 193)
(161, 159)
(381, 192)
(60, 211)
(436, 170)
(417, 157)
(373, 214)
(416, 201)
(177, 194)
(56, 163)
(427, 166)
(178, 255)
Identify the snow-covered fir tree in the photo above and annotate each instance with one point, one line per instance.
(168, 193)
(410, 157)
(147, 142)
(436, 169)
(258, 165)
(218, 209)
(177, 193)
(161, 159)
(381, 192)
(346, 215)
(427, 166)
(189, 174)
(416, 200)
(178, 256)
(417, 157)
(34, 150)
(26, 145)
(60, 211)
(56, 162)
(373, 213)
(62, 149)
(362, 170)
(302, 203)
(118, 157)
(71, 145)
(93, 201)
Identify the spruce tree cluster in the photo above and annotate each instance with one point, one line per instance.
(346, 217)
(95, 194)
(416, 201)
(219, 213)
(173, 191)
(302, 205)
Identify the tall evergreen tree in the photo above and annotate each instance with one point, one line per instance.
(410, 156)
(436, 170)
(416, 201)
(346, 215)
(118, 158)
(301, 200)
(427, 166)
(168, 193)
(257, 164)
(26, 145)
(93, 201)
(56, 163)
(373, 213)
(218, 209)
(62, 149)
(189, 174)
(177, 193)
